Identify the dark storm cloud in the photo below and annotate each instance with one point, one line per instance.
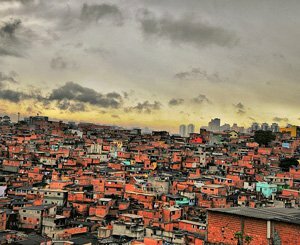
(16, 96)
(95, 12)
(176, 102)
(13, 96)
(185, 30)
(9, 28)
(145, 107)
(200, 99)
(280, 119)
(8, 40)
(14, 38)
(72, 97)
(197, 73)
(76, 92)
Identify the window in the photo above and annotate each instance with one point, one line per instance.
(24, 218)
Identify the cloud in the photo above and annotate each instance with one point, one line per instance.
(19, 1)
(145, 107)
(9, 28)
(239, 106)
(241, 110)
(8, 40)
(280, 119)
(73, 97)
(66, 105)
(197, 74)
(7, 78)
(200, 99)
(78, 93)
(14, 38)
(175, 102)
(59, 63)
(13, 96)
(97, 51)
(95, 12)
(186, 30)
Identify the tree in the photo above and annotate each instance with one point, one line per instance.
(286, 163)
(263, 137)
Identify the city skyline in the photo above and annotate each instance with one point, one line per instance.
(131, 63)
(149, 122)
(184, 129)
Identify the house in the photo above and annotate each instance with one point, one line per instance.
(253, 226)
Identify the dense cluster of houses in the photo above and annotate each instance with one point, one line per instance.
(66, 183)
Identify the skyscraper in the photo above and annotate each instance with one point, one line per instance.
(214, 124)
(190, 129)
(182, 130)
(265, 127)
(255, 126)
(275, 127)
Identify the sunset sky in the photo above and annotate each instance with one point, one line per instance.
(154, 63)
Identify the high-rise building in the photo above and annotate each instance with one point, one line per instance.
(182, 130)
(255, 126)
(265, 127)
(235, 127)
(190, 129)
(275, 127)
(225, 127)
(214, 124)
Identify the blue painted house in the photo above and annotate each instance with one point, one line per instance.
(266, 189)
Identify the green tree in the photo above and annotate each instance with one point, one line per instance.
(263, 137)
(286, 163)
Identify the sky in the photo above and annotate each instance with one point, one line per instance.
(151, 63)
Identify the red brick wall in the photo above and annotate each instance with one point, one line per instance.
(288, 233)
(222, 228)
(257, 229)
